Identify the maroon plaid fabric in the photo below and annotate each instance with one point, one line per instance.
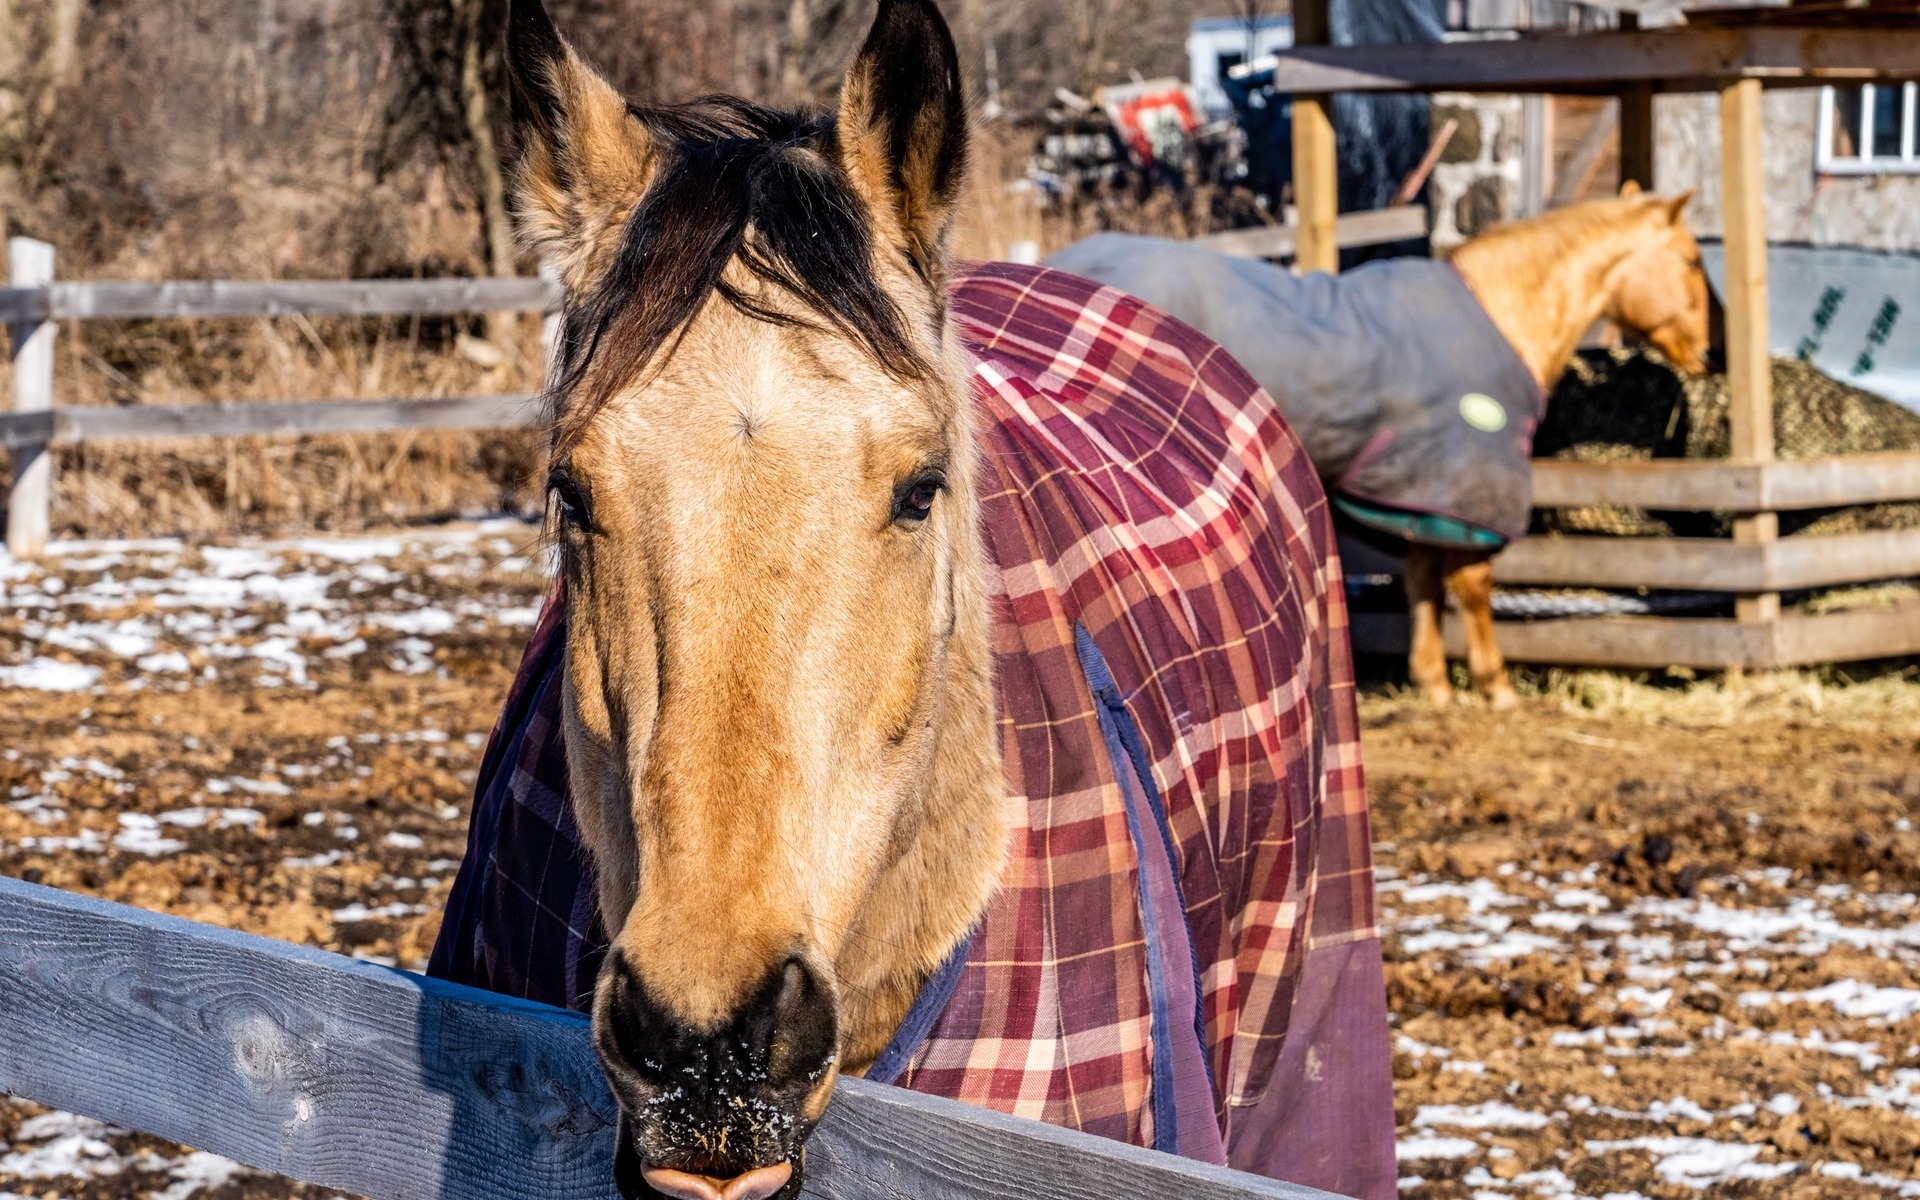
(1139, 490)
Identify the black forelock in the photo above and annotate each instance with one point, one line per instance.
(735, 181)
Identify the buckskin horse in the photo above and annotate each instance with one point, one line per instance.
(1416, 385)
(946, 679)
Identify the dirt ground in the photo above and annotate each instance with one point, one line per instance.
(1643, 936)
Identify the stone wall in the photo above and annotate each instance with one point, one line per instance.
(1876, 212)
(1477, 180)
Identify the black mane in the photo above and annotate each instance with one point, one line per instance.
(735, 180)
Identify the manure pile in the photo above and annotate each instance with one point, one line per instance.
(1621, 405)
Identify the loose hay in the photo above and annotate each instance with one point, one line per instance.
(1631, 405)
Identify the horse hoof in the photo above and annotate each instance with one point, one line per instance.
(1438, 696)
(1502, 699)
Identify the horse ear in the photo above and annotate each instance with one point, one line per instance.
(584, 157)
(1677, 205)
(1629, 189)
(903, 129)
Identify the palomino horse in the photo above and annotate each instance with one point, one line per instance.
(946, 680)
(1544, 282)
(1416, 386)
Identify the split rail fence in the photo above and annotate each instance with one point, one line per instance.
(381, 1083)
(1734, 53)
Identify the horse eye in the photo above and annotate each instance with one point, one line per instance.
(572, 499)
(914, 502)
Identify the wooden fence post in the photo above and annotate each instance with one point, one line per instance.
(1636, 135)
(1749, 364)
(1316, 179)
(30, 496)
(1636, 124)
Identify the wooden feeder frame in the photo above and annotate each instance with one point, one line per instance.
(1737, 54)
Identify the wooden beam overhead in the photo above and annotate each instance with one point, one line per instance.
(1684, 59)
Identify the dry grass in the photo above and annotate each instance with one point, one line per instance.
(1883, 695)
(266, 485)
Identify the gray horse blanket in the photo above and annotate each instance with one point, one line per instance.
(1412, 405)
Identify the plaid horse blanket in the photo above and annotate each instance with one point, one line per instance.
(1183, 953)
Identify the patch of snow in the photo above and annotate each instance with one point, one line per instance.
(1491, 1115)
(386, 912)
(1849, 998)
(1414, 1149)
(140, 834)
(50, 675)
(1699, 1162)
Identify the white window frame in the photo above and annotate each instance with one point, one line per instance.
(1867, 163)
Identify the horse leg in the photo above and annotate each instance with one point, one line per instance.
(1470, 579)
(1426, 590)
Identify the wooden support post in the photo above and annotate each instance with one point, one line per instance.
(30, 496)
(1636, 135)
(1536, 153)
(1316, 179)
(1749, 366)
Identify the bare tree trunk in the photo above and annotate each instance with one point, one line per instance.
(793, 69)
(1090, 19)
(13, 83)
(488, 173)
(13, 109)
(63, 43)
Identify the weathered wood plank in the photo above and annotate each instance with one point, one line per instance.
(1368, 228)
(1692, 58)
(337, 1072)
(390, 1085)
(275, 298)
(1852, 479)
(1719, 484)
(310, 417)
(1710, 643)
(1711, 564)
(1652, 642)
(24, 304)
(1632, 562)
(25, 429)
(1848, 635)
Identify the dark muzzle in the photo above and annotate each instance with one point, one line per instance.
(717, 1114)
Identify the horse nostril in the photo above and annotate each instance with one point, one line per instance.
(757, 1184)
(804, 1026)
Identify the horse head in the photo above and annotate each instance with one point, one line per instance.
(1661, 295)
(778, 711)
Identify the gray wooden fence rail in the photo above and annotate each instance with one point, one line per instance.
(390, 1085)
(35, 302)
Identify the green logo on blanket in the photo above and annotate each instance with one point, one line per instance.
(1483, 412)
